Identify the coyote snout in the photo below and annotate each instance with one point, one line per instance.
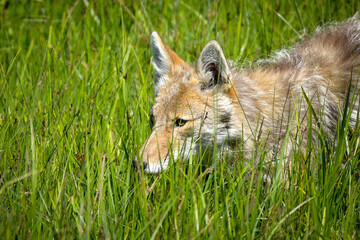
(214, 103)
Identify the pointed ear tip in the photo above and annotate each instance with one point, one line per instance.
(154, 36)
(213, 42)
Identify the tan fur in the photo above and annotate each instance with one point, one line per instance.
(223, 105)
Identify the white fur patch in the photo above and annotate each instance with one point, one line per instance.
(156, 167)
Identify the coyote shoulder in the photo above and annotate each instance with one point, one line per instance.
(213, 103)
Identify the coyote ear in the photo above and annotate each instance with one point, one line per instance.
(212, 66)
(164, 60)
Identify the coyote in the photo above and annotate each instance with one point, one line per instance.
(216, 104)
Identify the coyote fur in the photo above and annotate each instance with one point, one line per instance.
(214, 103)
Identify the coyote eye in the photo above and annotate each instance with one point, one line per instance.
(180, 122)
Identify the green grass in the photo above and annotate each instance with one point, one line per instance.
(75, 90)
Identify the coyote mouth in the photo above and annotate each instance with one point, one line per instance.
(155, 167)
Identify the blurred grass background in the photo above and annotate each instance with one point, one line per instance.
(76, 87)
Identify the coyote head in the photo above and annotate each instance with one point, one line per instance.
(193, 105)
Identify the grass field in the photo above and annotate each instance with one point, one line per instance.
(76, 86)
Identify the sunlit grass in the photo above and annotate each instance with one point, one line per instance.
(76, 86)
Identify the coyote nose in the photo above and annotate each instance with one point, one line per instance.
(145, 165)
(134, 163)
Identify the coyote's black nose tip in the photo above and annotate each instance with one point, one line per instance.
(134, 163)
(145, 165)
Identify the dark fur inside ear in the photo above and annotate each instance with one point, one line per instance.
(165, 61)
(161, 59)
(212, 66)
